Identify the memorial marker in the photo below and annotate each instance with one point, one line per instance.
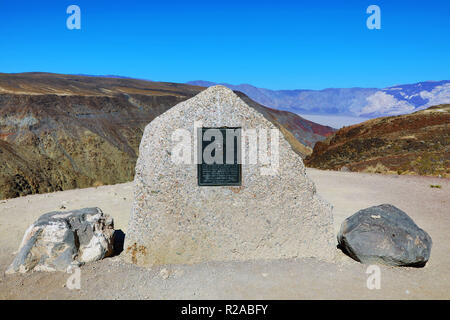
(226, 143)
(216, 181)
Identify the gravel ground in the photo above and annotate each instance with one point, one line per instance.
(308, 278)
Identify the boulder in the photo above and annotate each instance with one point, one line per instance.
(58, 241)
(275, 212)
(386, 235)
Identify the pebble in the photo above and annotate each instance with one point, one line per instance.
(164, 273)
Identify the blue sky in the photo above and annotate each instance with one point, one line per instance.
(271, 44)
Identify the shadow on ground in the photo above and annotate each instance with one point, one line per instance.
(119, 239)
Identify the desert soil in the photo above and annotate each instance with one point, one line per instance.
(278, 279)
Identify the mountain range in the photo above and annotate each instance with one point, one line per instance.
(59, 132)
(355, 102)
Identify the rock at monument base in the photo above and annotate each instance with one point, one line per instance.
(58, 241)
(384, 234)
(174, 220)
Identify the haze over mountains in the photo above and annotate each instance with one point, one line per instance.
(337, 107)
(349, 102)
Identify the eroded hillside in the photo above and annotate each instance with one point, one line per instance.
(417, 143)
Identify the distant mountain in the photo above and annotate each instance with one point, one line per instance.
(416, 143)
(59, 132)
(357, 102)
(108, 76)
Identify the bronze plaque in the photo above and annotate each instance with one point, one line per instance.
(219, 151)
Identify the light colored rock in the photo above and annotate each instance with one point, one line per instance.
(58, 241)
(173, 220)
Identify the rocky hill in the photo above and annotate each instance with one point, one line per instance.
(417, 143)
(59, 132)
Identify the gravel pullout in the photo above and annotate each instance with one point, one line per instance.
(279, 279)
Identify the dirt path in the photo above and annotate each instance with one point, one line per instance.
(278, 279)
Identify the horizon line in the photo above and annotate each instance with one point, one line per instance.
(113, 76)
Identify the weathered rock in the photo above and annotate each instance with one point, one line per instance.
(384, 234)
(174, 220)
(61, 240)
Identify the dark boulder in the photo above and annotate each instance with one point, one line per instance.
(386, 235)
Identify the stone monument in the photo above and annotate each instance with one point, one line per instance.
(216, 181)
